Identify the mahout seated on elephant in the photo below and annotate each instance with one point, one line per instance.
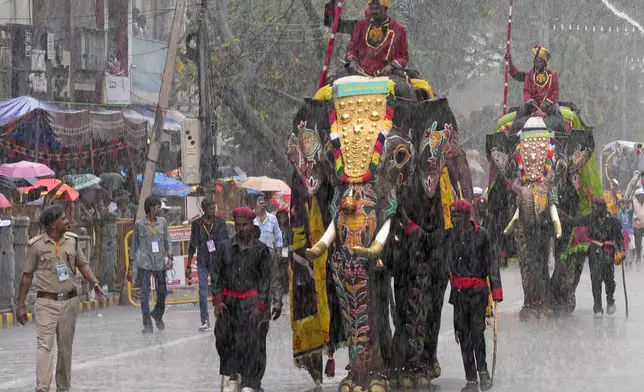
(378, 47)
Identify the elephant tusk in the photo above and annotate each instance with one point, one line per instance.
(513, 221)
(554, 216)
(378, 244)
(323, 244)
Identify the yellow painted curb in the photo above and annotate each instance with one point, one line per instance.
(7, 319)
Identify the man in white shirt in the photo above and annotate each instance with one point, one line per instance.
(271, 235)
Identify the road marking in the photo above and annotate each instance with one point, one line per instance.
(103, 360)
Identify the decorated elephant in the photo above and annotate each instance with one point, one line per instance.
(549, 172)
(352, 154)
(415, 253)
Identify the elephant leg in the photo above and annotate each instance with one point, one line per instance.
(382, 288)
(438, 286)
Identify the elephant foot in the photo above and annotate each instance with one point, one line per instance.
(405, 381)
(377, 386)
(572, 303)
(345, 386)
(435, 369)
(422, 381)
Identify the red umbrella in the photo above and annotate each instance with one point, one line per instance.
(25, 169)
(50, 183)
(4, 203)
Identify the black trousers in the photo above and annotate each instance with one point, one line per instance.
(241, 344)
(469, 326)
(602, 270)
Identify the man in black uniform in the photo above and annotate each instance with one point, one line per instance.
(605, 233)
(206, 234)
(471, 260)
(241, 282)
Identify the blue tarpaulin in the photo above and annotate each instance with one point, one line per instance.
(17, 107)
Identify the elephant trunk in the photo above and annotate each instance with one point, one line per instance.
(378, 244)
(323, 244)
(525, 203)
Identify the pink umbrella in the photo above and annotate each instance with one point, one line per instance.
(26, 169)
(4, 203)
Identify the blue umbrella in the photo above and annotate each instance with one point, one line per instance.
(164, 186)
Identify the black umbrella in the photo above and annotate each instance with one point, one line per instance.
(7, 183)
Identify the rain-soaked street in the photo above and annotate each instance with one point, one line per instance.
(575, 353)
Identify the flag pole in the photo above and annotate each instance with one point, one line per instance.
(329, 49)
(507, 62)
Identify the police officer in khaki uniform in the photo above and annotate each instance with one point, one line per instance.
(55, 258)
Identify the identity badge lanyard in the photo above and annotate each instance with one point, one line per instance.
(210, 243)
(155, 244)
(61, 268)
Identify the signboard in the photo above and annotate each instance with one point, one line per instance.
(117, 90)
(176, 276)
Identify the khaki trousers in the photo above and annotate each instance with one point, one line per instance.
(55, 320)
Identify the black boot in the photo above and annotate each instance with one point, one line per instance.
(471, 386)
(485, 380)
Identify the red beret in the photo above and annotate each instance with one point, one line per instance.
(599, 201)
(243, 212)
(462, 205)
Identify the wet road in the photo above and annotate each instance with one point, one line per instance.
(575, 354)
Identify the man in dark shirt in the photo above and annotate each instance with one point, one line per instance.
(605, 233)
(241, 292)
(471, 260)
(206, 234)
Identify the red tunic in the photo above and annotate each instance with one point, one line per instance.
(548, 91)
(393, 49)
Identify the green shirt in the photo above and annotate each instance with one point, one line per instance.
(149, 244)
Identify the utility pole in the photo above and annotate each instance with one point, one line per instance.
(204, 112)
(162, 106)
(73, 52)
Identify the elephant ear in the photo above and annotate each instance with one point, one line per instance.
(499, 148)
(578, 147)
(439, 141)
(304, 145)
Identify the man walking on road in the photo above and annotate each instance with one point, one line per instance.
(206, 235)
(150, 249)
(469, 252)
(55, 258)
(240, 273)
(606, 250)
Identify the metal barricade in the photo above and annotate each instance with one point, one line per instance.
(180, 235)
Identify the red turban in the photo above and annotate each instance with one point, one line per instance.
(599, 201)
(462, 205)
(243, 212)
